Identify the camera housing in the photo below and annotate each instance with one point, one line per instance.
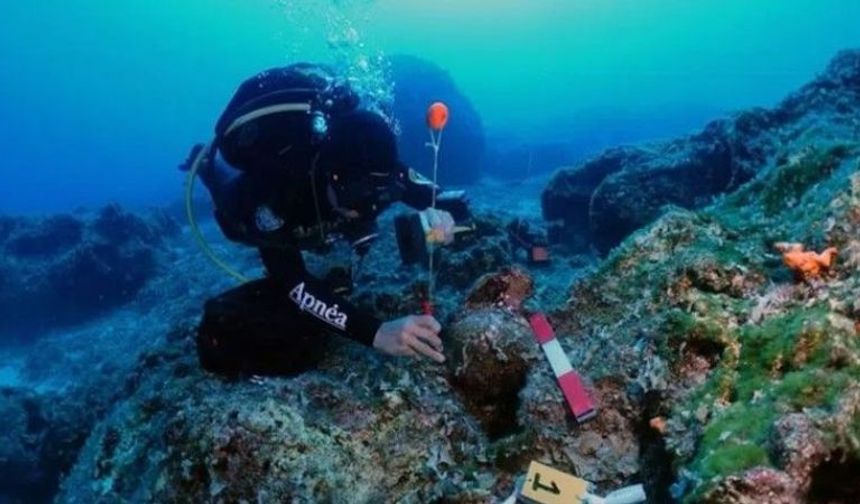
(411, 230)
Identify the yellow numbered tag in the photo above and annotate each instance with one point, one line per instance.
(545, 485)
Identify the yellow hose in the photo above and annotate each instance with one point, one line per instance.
(195, 230)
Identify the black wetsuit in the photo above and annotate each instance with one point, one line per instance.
(279, 324)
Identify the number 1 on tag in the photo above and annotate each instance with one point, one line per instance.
(545, 485)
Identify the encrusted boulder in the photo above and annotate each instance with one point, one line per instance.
(354, 431)
(604, 450)
(800, 448)
(756, 486)
(39, 442)
(51, 235)
(567, 197)
(603, 200)
(64, 269)
(608, 197)
(684, 174)
(21, 471)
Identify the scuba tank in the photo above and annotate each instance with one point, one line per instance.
(274, 119)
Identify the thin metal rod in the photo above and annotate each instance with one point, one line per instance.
(435, 142)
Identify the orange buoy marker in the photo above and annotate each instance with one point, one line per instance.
(437, 118)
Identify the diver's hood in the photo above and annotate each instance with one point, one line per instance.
(360, 160)
(281, 115)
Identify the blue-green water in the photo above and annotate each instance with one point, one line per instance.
(99, 100)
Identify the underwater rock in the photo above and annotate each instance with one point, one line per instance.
(800, 448)
(708, 275)
(567, 197)
(485, 251)
(115, 225)
(21, 474)
(604, 450)
(64, 269)
(684, 175)
(357, 430)
(756, 486)
(45, 430)
(603, 200)
(752, 366)
(419, 83)
(39, 442)
(50, 236)
(608, 197)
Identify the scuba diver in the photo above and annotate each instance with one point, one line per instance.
(296, 163)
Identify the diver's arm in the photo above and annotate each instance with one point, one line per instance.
(241, 212)
(314, 298)
(407, 336)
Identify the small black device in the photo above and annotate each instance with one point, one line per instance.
(535, 243)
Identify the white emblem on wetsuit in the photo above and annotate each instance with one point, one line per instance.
(266, 220)
(307, 302)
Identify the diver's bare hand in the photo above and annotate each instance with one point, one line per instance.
(413, 335)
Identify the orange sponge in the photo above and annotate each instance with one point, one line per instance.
(806, 265)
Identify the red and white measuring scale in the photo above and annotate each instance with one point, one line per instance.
(577, 397)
